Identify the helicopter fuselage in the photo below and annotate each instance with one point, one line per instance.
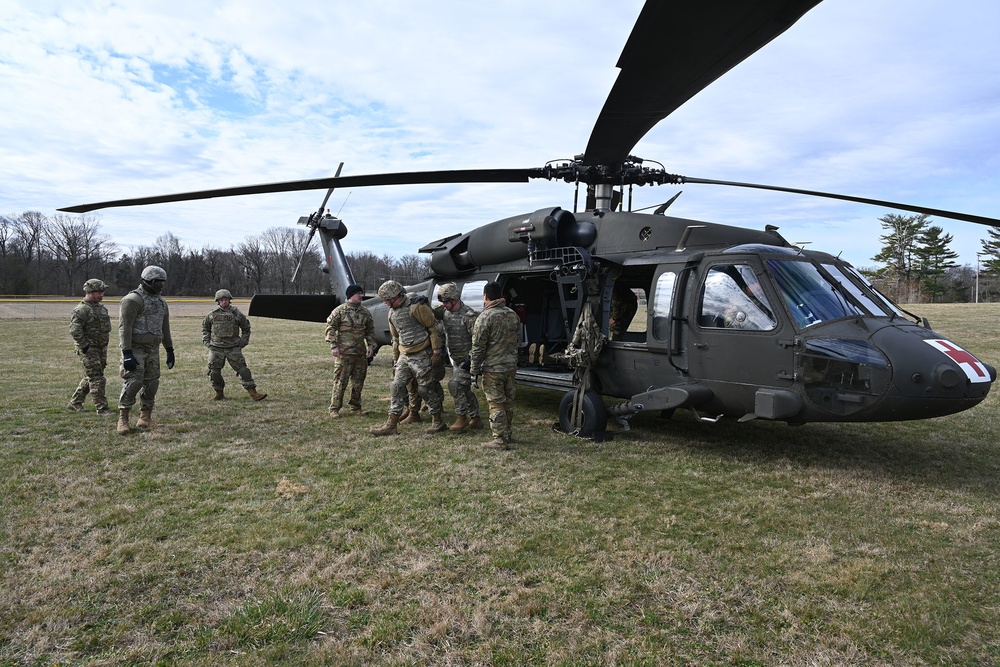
(736, 323)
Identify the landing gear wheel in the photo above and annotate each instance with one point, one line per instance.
(595, 415)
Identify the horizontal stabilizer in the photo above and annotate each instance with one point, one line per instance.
(303, 307)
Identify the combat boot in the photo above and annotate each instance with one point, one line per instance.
(412, 417)
(219, 395)
(389, 428)
(496, 443)
(145, 418)
(358, 412)
(460, 424)
(334, 413)
(104, 410)
(476, 423)
(255, 395)
(123, 421)
(75, 407)
(437, 424)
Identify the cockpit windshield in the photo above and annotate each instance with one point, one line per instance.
(810, 295)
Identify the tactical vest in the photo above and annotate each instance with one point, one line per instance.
(411, 332)
(149, 321)
(457, 327)
(225, 326)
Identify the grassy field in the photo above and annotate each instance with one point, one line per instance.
(264, 533)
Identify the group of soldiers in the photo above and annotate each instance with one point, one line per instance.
(482, 348)
(143, 326)
(478, 345)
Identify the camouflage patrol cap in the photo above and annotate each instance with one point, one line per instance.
(94, 285)
(223, 294)
(449, 292)
(390, 289)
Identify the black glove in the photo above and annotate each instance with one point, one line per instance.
(170, 357)
(419, 298)
(466, 365)
(129, 362)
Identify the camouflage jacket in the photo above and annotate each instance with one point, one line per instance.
(494, 339)
(458, 329)
(225, 328)
(90, 325)
(351, 328)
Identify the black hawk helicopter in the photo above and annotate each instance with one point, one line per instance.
(738, 322)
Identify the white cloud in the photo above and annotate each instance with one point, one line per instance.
(894, 99)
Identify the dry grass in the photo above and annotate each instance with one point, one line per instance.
(262, 533)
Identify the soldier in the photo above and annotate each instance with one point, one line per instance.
(624, 305)
(90, 327)
(143, 325)
(494, 355)
(350, 331)
(225, 332)
(416, 351)
(459, 320)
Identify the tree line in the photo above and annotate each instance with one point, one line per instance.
(56, 254)
(916, 264)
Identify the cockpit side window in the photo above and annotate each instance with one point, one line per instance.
(733, 298)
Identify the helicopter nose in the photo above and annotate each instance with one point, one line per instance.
(931, 375)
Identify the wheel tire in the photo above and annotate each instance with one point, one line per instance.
(595, 415)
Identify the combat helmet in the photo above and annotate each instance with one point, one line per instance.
(390, 289)
(223, 294)
(449, 292)
(95, 285)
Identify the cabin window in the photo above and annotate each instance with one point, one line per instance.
(472, 294)
(663, 296)
(733, 298)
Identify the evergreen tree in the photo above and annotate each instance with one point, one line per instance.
(991, 251)
(899, 246)
(933, 259)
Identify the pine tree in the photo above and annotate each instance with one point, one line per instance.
(899, 246)
(933, 259)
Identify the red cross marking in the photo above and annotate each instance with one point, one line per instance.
(960, 356)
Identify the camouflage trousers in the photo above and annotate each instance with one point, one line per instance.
(460, 388)
(499, 390)
(348, 368)
(217, 358)
(417, 365)
(144, 381)
(95, 360)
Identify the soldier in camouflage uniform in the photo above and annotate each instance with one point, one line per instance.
(143, 325)
(225, 332)
(459, 320)
(494, 355)
(624, 305)
(90, 327)
(416, 350)
(350, 331)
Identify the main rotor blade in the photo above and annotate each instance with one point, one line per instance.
(978, 219)
(364, 180)
(676, 49)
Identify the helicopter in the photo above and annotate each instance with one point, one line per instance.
(739, 323)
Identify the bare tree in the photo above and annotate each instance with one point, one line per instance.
(78, 247)
(253, 260)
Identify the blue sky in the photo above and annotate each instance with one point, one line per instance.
(889, 99)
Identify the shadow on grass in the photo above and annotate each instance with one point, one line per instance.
(954, 452)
